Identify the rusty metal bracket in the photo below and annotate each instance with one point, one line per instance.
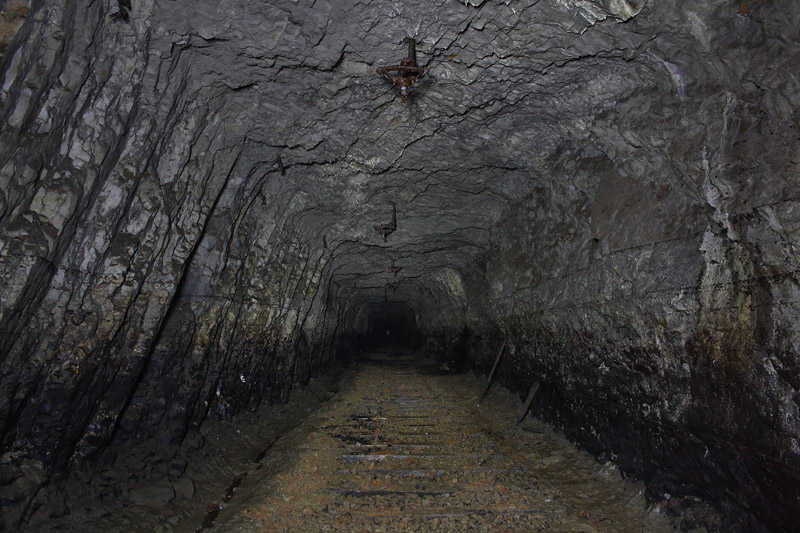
(387, 229)
(407, 73)
(122, 14)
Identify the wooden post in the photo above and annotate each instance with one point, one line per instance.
(528, 400)
(491, 374)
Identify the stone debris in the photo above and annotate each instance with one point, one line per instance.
(156, 495)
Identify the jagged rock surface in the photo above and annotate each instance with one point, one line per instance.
(188, 202)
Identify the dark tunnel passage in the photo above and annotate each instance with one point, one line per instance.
(392, 323)
(208, 209)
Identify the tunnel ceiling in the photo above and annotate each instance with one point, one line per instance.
(517, 91)
(524, 100)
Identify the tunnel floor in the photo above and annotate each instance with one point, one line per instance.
(403, 447)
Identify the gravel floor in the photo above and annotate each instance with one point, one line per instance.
(403, 447)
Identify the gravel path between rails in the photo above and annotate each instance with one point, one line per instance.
(403, 447)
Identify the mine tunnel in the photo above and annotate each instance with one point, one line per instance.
(261, 261)
(386, 324)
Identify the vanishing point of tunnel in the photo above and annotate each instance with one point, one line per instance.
(261, 261)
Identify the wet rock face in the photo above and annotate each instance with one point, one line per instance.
(189, 202)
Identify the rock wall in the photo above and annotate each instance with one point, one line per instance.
(152, 271)
(650, 281)
(189, 201)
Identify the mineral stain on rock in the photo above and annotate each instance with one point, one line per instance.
(12, 15)
(610, 186)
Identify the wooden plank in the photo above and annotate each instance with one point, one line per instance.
(528, 400)
(491, 374)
